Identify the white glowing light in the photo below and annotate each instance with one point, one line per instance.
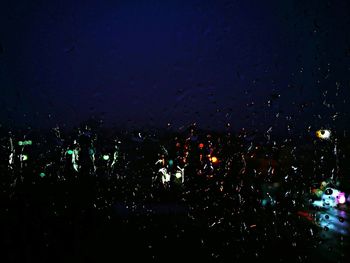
(178, 175)
(75, 159)
(165, 175)
(323, 134)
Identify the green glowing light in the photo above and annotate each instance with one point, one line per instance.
(24, 157)
(42, 175)
(21, 143)
(105, 157)
(319, 193)
(70, 152)
(171, 162)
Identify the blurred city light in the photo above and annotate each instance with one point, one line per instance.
(214, 159)
(323, 134)
(22, 143)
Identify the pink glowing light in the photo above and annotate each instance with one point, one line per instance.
(341, 198)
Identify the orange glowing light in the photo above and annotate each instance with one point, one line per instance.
(214, 159)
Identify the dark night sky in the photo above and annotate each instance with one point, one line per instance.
(137, 63)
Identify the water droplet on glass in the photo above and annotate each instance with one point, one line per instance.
(328, 191)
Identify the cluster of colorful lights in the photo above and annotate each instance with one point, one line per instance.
(330, 197)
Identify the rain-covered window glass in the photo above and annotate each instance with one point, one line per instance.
(190, 130)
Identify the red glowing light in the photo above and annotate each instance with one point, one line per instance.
(305, 215)
(201, 145)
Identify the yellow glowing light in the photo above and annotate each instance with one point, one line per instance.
(323, 185)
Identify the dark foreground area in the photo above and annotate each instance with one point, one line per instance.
(168, 229)
(254, 203)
